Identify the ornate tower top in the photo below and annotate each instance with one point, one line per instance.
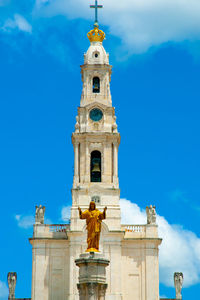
(96, 35)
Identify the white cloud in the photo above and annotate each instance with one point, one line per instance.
(180, 248)
(3, 290)
(25, 221)
(18, 22)
(131, 213)
(139, 24)
(65, 213)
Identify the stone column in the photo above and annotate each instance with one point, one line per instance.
(102, 291)
(87, 163)
(76, 160)
(92, 276)
(82, 290)
(115, 163)
(92, 291)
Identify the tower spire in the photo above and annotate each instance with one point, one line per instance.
(96, 7)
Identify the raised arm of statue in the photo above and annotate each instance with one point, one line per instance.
(80, 212)
(102, 215)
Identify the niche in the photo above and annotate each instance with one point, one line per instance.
(96, 85)
(95, 166)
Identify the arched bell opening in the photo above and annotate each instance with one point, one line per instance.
(96, 85)
(95, 166)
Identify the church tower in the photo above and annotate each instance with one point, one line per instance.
(132, 250)
(96, 138)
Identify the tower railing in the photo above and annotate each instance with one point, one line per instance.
(58, 227)
(140, 231)
(134, 228)
(51, 231)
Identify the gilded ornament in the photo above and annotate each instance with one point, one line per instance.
(93, 220)
(96, 35)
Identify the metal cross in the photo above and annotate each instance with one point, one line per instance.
(96, 6)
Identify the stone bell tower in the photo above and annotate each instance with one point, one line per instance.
(59, 249)
(96, 138)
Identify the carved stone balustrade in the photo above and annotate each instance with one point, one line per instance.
(54, 231)
(140, 231)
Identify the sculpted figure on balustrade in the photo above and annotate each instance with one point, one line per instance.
(12, 279)
(151, 214)
(39, 214)
(178, 283)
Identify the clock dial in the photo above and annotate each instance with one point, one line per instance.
(96, 114)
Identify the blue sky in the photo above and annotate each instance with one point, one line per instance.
(155, 52)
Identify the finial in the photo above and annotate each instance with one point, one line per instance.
(96, 35)
(96, 6)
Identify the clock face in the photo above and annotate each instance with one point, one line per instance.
(96, 114)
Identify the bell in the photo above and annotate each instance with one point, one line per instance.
(96, 86)
(96, 167)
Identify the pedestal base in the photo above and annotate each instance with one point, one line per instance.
(92, 276)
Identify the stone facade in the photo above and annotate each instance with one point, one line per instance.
(132, 250)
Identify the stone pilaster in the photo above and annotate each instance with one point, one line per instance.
(115, 162)
(102, 291)
(82, 291)
(76, 164)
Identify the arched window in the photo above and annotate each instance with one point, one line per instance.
(95, 166)
(96, 85)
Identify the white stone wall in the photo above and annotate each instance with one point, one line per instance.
(50, 269)
(133, 272)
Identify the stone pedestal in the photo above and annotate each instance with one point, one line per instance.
(92, 276)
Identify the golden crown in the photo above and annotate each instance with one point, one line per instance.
(96, 35)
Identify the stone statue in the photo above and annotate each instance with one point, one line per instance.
(178, 283)
(77, 126)
(12, 279)
(39, 214)
(151, 214)
(114, 127)
(93, 220)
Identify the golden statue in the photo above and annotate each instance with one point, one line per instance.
(93, 220)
